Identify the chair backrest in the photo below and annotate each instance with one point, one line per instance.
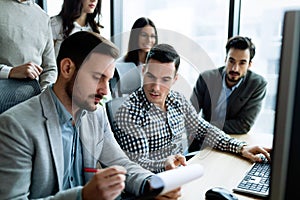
(112, 107)
(14, 91)
(127, 78)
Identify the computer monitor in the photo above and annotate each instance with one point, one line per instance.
(285, 165)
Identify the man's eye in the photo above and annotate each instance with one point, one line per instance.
(150, 76)
(97, 77)
(166, 79)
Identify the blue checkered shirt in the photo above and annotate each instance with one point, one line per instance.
(149, 135)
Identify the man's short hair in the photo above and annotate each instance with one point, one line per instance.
(79, 45)
(164, 53)
(239, 42)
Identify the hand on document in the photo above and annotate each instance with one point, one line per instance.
(174, 161)
(167, 184)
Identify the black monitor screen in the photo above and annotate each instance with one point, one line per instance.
(285, 170)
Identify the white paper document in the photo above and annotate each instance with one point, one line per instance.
(172, 179)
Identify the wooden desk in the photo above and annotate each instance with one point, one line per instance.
(222, 169)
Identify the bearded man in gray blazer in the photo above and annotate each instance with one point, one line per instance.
(231, 96)
(53, 145)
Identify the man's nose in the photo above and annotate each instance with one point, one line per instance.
(103, 88)
(156, 85)
(235, 67)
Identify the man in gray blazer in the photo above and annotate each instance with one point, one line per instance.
(53, 145)
(230, 97)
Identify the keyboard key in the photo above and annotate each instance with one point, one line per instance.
(256, 180)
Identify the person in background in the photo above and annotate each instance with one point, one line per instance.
(64, 147)
(151, 122)
(143, 36)
(26, 45)
(75, 15)
(231, 96)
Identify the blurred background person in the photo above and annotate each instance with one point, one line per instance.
(231, 96)
(26, 46)
(75, 15)
(143, 36)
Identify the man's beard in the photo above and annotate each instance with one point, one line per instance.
(231, 79)
(77, 97)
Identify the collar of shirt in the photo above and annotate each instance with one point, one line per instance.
(227, 89)
(26, 1)
(64, 115)
(77, 27)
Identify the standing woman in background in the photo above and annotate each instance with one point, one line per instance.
(75, 15)
(143, 37)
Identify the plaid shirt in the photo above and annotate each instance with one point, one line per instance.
(149, 135)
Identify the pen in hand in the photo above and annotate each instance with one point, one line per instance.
(95, 170)
(91, 170)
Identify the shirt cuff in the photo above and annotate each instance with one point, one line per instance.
(239, 150)
(145, 186)
(4, 72)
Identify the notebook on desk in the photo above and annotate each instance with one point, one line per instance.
(256, 180)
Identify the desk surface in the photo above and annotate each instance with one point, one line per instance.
(222, 169)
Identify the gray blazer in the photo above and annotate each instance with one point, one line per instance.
(243, 105)
(31, 151)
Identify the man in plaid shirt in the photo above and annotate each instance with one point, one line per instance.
(150, 123)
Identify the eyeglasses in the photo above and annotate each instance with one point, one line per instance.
(146, 36)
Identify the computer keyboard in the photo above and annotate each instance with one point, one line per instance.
(256, 180)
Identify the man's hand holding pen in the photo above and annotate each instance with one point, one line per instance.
(114, 182)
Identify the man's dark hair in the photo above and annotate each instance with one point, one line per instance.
(239, 42)
(79, 45)
(164, 53)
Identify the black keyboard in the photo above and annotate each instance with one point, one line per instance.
(256, 180)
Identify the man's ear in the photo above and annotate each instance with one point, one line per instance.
(250, 64)
(175, 78)
(67, 68)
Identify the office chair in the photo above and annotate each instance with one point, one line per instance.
(14, 91)
(127, 79)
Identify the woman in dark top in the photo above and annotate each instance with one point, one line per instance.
(143, 37)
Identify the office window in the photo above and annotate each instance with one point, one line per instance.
(197, 30)
(262, 21)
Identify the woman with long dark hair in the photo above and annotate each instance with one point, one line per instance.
(75, 15)
(143, 37)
